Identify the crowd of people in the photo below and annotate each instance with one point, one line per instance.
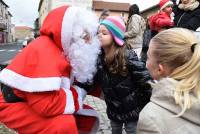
(149, 78)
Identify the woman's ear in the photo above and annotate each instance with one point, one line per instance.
(161, 70)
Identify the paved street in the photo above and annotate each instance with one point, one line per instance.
(100, 107)
(7, 52)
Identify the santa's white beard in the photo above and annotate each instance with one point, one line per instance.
(83, 58)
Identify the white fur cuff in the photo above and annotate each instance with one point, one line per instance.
(81, 95)
(70, 107)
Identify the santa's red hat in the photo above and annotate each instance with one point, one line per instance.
(35, 68)
(164, 3)
(62, 21)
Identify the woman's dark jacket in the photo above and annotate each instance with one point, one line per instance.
(187, 19)
(125, 96)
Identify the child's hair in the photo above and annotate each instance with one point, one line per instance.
(116, 61)
(179, 49)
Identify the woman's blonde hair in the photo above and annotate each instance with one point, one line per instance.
(179, 49)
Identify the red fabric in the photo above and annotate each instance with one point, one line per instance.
(42, 111)
(38, 59)
(84, 123)
(96, 92)
(162, 3)
(75, 94)
(41, 58)
(28, 121)
(52, 25)
(46, 104)
(159, 21)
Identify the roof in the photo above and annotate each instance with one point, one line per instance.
(23, 27)
(150, 8)
(112, 6)
(10, 13)
(40, 4)
(4, 3)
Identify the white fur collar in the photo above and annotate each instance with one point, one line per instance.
(191, 6)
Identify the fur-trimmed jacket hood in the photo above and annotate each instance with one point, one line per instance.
(158, 116)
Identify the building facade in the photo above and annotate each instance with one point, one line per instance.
(5, 24)
(23, 32)
(47, 5)
(9, 30)
(150, 11)
(115, 8)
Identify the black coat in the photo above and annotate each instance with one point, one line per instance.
(125, 96)
(145, 45)
(187, 19)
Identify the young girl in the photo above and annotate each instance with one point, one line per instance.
(122, 78)
(135, 28)
(173, 60)
(163, 19)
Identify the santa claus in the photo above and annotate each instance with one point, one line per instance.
(38, 93)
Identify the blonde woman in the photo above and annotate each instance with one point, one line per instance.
(174, 62)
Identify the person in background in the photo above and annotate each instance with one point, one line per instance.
(121, 76)
(135, 29)
(27, 41)
(163, 19)
(105, 13)
(174, 1)
(173, 62)
(187, 14)
(39, 94)
(145, 44)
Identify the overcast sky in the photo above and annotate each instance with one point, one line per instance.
(26, 11)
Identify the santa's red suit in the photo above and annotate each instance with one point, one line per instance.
(41, 76)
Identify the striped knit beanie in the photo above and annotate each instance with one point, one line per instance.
(116, 27)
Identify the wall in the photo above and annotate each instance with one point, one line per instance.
(48, 5)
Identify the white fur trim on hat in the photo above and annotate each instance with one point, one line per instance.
(166, 4)
(67, 27)
(28, 84)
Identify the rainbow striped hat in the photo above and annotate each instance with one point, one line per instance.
(117, 28)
